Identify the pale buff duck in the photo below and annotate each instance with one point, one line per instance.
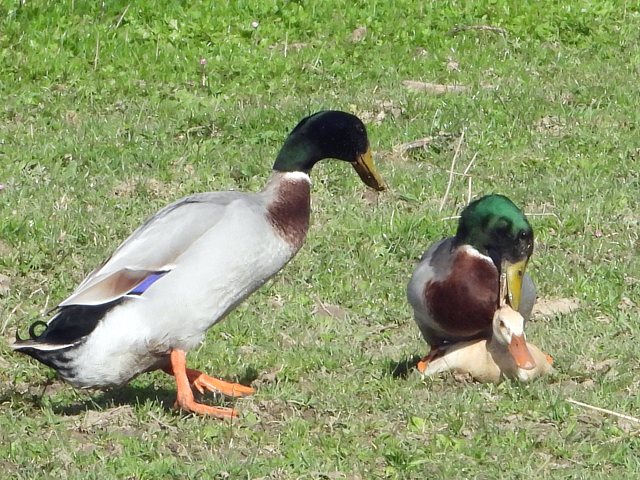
(490, 361)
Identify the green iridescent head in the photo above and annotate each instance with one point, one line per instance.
(496, 227)
(329, 134)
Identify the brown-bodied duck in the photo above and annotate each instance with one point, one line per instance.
(455, 289)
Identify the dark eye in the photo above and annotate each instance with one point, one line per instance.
(523, 234)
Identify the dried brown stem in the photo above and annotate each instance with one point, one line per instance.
(451, 171)
(604, 410)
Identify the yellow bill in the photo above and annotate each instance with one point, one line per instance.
(367, 171)
(514, 273)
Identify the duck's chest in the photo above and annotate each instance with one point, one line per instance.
(289, 210)
(463, 302)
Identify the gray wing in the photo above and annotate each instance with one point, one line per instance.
(155, 246)
(434, 264)
(528, 297)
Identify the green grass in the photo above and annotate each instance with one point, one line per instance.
(105, 118)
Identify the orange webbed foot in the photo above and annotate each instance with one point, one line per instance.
(188, 404)
(201, 382)
(186, 378)
(423, 363)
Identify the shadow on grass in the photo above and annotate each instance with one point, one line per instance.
(250, 374)
(402, 368)
(130, 394)
(115, 397)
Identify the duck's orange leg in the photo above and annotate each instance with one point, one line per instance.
(202, 381)
(185, 399)
(434, 353)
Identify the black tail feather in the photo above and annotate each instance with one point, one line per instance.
(32, 334)
(54, 345)
(34, 325)
(70, 324)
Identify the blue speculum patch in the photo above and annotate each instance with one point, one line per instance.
(146, 283)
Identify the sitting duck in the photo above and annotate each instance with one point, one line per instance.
(490, 361)
(455, 289)
(187, 267)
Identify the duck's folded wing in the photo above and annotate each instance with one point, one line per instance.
(154, 248)
(528, 297)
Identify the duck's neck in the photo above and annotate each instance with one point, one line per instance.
(289, 205)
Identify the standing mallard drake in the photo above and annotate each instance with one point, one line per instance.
(455, 289)
(188, 266)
